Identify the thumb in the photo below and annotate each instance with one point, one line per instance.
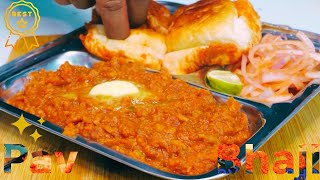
(114, 16)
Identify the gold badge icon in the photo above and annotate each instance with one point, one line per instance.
(22, 19)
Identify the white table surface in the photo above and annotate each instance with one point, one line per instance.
(57, 19)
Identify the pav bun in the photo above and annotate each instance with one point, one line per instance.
(142, 45)
(210, 32)
(158, 18)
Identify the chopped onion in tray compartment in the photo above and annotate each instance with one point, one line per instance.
(276, 67)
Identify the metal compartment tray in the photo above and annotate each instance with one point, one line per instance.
(10, 86)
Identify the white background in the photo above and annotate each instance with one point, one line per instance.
(57, 19)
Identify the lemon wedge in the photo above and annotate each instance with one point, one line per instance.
(224, 81)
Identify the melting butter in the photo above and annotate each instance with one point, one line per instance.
(116, 88)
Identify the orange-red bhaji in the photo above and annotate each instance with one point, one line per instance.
(173, 127)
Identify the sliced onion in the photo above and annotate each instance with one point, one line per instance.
(268, 77)
(246, 90)
(315, 56)
(268, 93)
(280, 64)
(316, 81)
(245, 75)
(291, 44)
(273, 67)
(251, 56)
(289, 52)
(313, 75)
(279, 98)
(304, 38)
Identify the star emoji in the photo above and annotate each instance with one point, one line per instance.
(35, 135)
(41, 121)
(21, 124)
(22, 24)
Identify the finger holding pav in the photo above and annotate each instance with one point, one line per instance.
(137, 10)
(114, 16)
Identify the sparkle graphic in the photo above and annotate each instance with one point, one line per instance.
(41, 121)
(21, 124)
(22, 24)
(35, 135)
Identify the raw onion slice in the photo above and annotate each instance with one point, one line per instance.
(276, 65)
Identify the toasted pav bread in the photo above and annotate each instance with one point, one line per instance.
(143, 45)
(158, 18)
(210, 32)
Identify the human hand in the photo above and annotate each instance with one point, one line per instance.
(116, 15)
